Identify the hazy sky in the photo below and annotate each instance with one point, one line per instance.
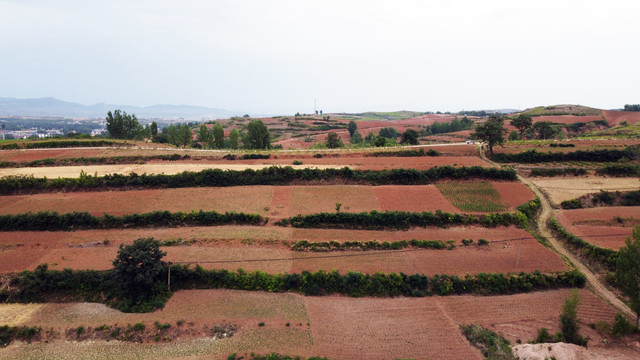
(276, 56)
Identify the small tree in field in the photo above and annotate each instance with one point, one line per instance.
(628, 271)
(333, 141)
(492, 131)
(569, 324)
(137, 269)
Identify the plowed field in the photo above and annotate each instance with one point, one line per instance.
(561, 189)
(611, 237)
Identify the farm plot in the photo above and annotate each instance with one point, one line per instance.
(315, 199)
(561, 189)
(606, 227)
(385, 328)
(412, 198)
(157, 168)
(513, 194)
(249, 199)
(472, 196)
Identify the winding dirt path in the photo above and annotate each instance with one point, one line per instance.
(547, 213)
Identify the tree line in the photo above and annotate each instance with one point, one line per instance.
(268, 176)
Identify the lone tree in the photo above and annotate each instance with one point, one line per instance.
(627, 274)
(333, 141)
(492, 131)
(522, 122)
(233, 138)
(257, 135)
(121, 125)
(410, 137)
(352, 127)
(184, 135)
(204, 135)
(569, 324)
(138, 269)
(218, 136)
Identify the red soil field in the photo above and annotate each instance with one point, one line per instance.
(611, 237)
(615, 117)
(251, 199)
(315, 199)
(412, 198)
(370, 328)
(346, 328)
(84, 250)
(513, 194)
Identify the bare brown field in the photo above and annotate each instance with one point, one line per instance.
(561, 189)
(271, 256)
(250, 199)
(611, 237)
(615, 117)
(412, 198)
(513, 194)
(315, 199)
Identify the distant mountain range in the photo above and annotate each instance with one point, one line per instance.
(51, 107)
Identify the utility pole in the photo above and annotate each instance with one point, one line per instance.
(169, 277)
(519, 249)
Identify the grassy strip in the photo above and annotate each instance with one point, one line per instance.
(92, 161)
(327, 246)
(605, 257)
(268, 176)
(472, 196)
(52, 221)
(492, 345)
(533, 156)
(91, 285)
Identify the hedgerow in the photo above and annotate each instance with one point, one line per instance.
(268, 176)
(102, 285)
(405, 153)
(52, 221)
(550, 172)
(93, 160)
(61, 144)
(533, 156)
(605, 257)
(401, 220)
(619, 170)
(325, 246)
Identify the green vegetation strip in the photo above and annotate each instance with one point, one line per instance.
(492, 345)
(268, 176)
(405, 153)
(52, 221)
(550, 172)
(92, 285)
(62, 144)
(533, 156)
(92, 161)
(605, 257)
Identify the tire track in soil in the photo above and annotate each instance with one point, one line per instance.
(544, 215)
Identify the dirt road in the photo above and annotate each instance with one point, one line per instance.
(545, 214)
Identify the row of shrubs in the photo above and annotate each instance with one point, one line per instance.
(93, 160)
(606, 198)
(533, 156)
(246, 157)
(326, 246)
(605, 257)
(620, 170)
(400, 220)
(60, 144)
(405, 153)
(8, 334)
(562, 145)
(550, 172)
(52, 221)
(101, 285)
(268, 176)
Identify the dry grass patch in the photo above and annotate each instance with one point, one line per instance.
(473, 196)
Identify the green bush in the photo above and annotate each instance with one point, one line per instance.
(605, 257)
(621, 326)
(571, 204)
(550, 172)
(533, 156)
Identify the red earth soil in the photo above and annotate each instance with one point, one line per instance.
(567, 119)
(85, 250)
(611, 237)
(412, 198)
(615, 117)
(370, 328)
(513, 194)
